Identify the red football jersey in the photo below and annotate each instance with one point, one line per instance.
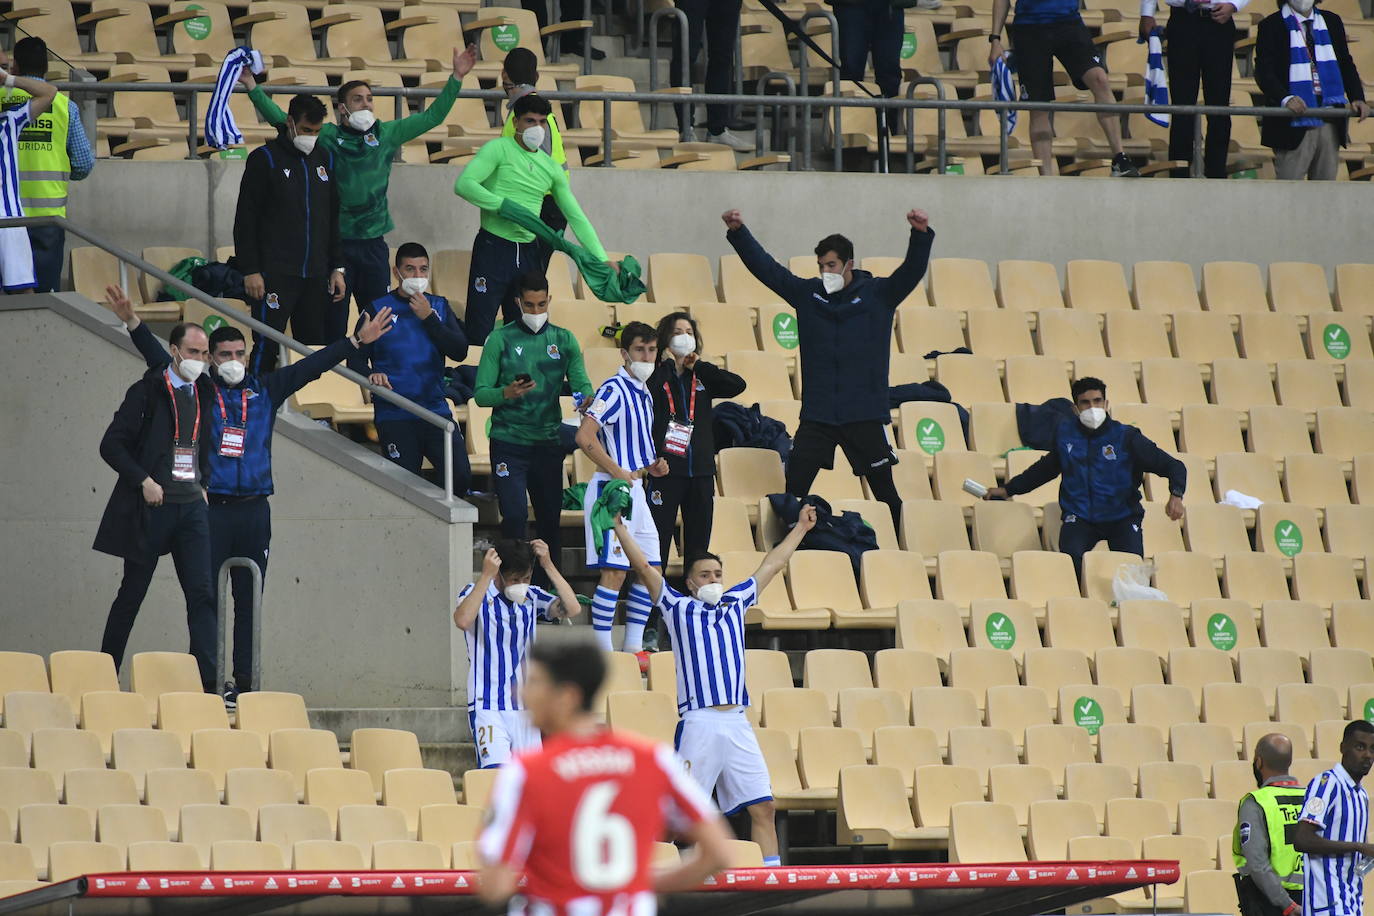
(581, 815)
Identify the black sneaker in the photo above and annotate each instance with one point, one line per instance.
(231, 697)
(1123, 167)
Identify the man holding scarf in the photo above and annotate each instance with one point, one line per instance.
(1302, 61)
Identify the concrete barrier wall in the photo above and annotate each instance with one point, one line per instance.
(365, 561)
(648, 211)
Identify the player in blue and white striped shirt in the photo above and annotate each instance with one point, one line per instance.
(617, 434)
(497, 614)
(707, 626)
(16, 257)
(1332, 831)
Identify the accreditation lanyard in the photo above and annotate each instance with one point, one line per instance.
(183, 458)
(231, 440)
(678, 437)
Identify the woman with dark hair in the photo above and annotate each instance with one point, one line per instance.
(683, 387)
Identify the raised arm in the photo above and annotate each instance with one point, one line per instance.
(567, 598)
(777, 557)
(466, 612)
(407, 129)
(41, 93)
(759, 262)
(909, 273)
(149, 347)
(271, 112)
(650, 577)
(291, 378)
(577, 220)
(1037, 475)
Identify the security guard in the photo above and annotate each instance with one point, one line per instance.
(241, 420)
(1269, 872)
(53, 149)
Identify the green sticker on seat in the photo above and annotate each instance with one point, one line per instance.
(505, 37)
(1246, 173)
(956, 168)
(1336, 340)
(213, 323)
(233, 152)
(1000, 630)
(1288, 537)
(908, 45)
(198, 29)
(1369, 710)
(930, 436)
(785, 330)
(1087, 714)
(1221, 632)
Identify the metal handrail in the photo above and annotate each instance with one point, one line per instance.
(218, 305)
(684, 64)
(224, 636)
(805, 102)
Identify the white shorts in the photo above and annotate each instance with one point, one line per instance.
(723, 755)
(16, 259)
(500, 734)
(640, 524)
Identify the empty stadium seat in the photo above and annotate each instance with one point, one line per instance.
(264, 711)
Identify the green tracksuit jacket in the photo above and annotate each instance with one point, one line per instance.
(549, 357)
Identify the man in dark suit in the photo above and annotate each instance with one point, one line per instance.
(1299, 151)
(159, 444)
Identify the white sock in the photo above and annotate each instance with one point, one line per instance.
(603, 615)
(772, 861)
(637, 610)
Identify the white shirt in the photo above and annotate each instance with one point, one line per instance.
(708, 645)
(1339, 809)
(1148, 7)
(12, 121)
(625, 412)
(498, 640)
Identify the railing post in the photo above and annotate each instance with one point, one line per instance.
(1002, 141)
(684, 66)
(448, 463)
(606, 150)
(1195, 166)
(771, 76)
(191, 100)
(225, 630)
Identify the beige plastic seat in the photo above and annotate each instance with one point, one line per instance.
(1119, 377)
(970, 379)
(286, 824)
(1171, 381)
(363, 825)
(978, 669)
(1202, 744)
(123, 825)
(832, 670)
(1270, 337)
(1352, 624)
(1195, 667)
(823, 752)
(1234, 706)
(22, 671)
(1171, 783)
(677, 277)
(984, 832)
(57, 750)
(1269, 667)
(27, 711)
(1340, 668)
(998, 331)
(750, 473)
(1194, 854)
(105, 712)
(922, 330)
(865, 814)
(1162, 705)
(1056, 747)
(1215, 530)
(1153, 625)
(218, 750)
(1069, 334)
(13, 751)
(1283, 529)
(1003, 527)
(963, 576)
(448, 824)
(1308, 704)
(1034, 379)
(1128, 667)
(16, 864)
(823, 581)
(264, 711)
(1077, 623)
(1130, 745)
(960, 283)
(76, 672)
(1209, 430)
(1096, 783)
(1028, 286)
(1241, 383)
(1315, 480)
(781, 760)
(204, 825)
(905, 747)
(1096, 286)
(1165, 286)
(1334, 337)
(866, 709)
(1206, 817)
(410, 855)
(1254, 577)
(1298, 287)
(168, 790)
(1210, 891)
(163, 855)
(1004, 624)
(1233, 287)
(1016, 709)
(138, 750)
(1300, 737)
(1134, 819)
(1307, 384)
(1232, 779)
(154, 673)
(1222, 623)
(1324, 578)
(1353, 289)
(1203, 336)
(1099, 569)
(790, 709)
(1296, 625)
(376, 750)
(327, 855)
(1052, 823)
(185, 713)
(246, 855)
(884, 582)
(21, 786)
(764, 669)
(1344, 432)
(1186, 577)
(72, 859)
(1050, 669)
(647, 713)
(981, 748)
(941, 709)
(41, 825)
(1134, 336)
(94, 789)
(939, 787)
(252, 788)
(1020, 786)
(929, 427)
(299, 750)
(331, 788)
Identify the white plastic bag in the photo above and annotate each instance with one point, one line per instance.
(1132, 583)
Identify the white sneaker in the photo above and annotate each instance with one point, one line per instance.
(735, 142)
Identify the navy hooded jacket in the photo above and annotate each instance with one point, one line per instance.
(1101, 469)
(845, 337)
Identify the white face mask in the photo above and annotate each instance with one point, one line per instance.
(1092, 417)
(641, 371)
(833, 283)
(305, 142)
(361, 120)
(533, 137)
(412, 285)
(191, 369)
(710, 593)
(231, 372)
(682, 344)
(516, 593)
(1302, 7)
(534, 321)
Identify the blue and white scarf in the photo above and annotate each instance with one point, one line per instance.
(1300, 65)
(220, 129)
(1002, 90)
(1156, 81)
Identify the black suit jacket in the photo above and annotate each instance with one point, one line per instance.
(1271, 72)
(136, 444)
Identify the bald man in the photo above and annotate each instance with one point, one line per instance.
(1269, 871)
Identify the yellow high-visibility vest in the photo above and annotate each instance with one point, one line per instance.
(44, 166)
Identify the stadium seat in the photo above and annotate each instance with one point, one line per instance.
(264, 711)
(1196, 667)
(202, 825)
(1223, 624)
(298, 750)
(1171, 783)
(376, 750)
(363, 825)
(1324, 578)
(790, 709)
(1186, 577)
(929, 427)
(978, 669)
(1215, 530)
(1004, 624)
(138, 750)
(1210, 891)
(922, 330)
(781, 760)
(1127, 667)
(13, 752)
(1070, 334)
(980, 748)
(1241, 384)
(1028, 286)
(1119, 377)
(155, 673)
(107, 711)
(1234, 706)
(246, 855)
(94, 789)
(464, 855)
(932, 526)
(970, 379)
(1269, 667)
(884, 581)
(1130, 745)
(725, 328)
(1096, 783)
(217, 751)
(1162, 705)
(72, 859)
(1253, 577)
(964, 576)
(960, 283)
(410, 789)
(903, 669)
(823, 752)
(253, 788)
(866, 815)
(1056, 747)
(76, 672)
(865, 709)
(1296, 625)
(1193, 854)
(1202, 744)
(1208, 430)
(1204, 337)
(1171, 381)
(163, 855)
(1050, 825)
(1077, 623)
(680, 278)
(1341, 668)
(449, 824)
(125, 825)
(1015, 709)
(1134, 336)
(1271, 337)
(327, 855)
(1334, 337)
(1307, 384)
(1233, 287)
(184, 713)
(1050, 668)
(1099, 569)
(1352, 623)
(1283, 529)
(1294, 731)
(1152, 625)
(941, 709)
(57, 750)
(1297, 287)
(750, 474)
(1165, 286)
(409, 855)
(1344, 432)
(1096, 286)
(1134, 819)
(999, 331)
(1004, 527)
(906, 748)
(937, 789)
(833, 670)
(330, 788)
(984, 832)
(647, 713)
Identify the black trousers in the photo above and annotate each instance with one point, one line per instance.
(1252, 900)
(305, 303)
(871, 26)
(518, 469)
(367, 277)
(497, 264)
(240, 528)
(182, 529)
(1200, 52)
(1077, 537)
(695, 496)
(717, 23)
(48, 244)
(410, 442)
